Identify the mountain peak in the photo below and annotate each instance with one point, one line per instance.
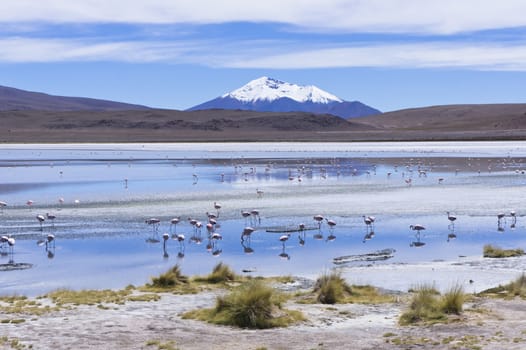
(270, 89)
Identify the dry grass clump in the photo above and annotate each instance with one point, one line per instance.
(169, 345)
(98, 297)
(491, 251)
(89, 297)
(23, 305)
(251, 305)
(513, 289)
(453, 300)
(170, 278)
(331, 288)
(221, 273)
(13, 343)
(171, 281)
(427, 305)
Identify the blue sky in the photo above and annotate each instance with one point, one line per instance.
(390, 54)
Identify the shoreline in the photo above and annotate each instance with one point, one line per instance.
(485, 322)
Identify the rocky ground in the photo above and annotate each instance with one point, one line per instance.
(485, 324)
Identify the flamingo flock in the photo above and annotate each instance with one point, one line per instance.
(213, 235)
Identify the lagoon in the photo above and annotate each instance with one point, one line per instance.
(110, 190)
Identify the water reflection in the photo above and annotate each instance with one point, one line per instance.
(287, 189)
(417, 228)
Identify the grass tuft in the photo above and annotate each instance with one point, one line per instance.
(170, 279)
(428, 306)
(251, 305)
(221, 273)
(513, 289)
(453, 300)
(331, 288)
(88, 297)
(492, 251)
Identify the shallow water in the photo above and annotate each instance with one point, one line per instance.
(109, 191)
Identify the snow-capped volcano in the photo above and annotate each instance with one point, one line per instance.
(270, 89)
(271, 95)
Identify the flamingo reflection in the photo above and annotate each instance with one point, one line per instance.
(301, 235)
(7, 246)
(166, 236)
(247, 249)
(513, 215)
(155, 223)
(283, 254)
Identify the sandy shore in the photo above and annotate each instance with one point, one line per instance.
(485, 324)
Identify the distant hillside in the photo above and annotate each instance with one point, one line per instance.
(271, 95)
(453, 118)
(169, 126)
(15, 99)
(459, 122)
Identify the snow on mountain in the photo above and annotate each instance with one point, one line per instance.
(271, 95)
(270, 89)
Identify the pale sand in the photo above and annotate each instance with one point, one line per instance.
(488, 323)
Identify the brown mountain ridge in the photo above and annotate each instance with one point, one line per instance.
(458, 122)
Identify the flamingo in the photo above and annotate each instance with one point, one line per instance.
(10, 242)
(213, 222)
(247, 232)
(51, 217)
(174, 223)
(180, 238)
(255, 215)
(3, 241)
(217, 207)
(331, 223)
(318, 218)
(367, 220)
(451, 218)
(245, 214)
(40, 219)
(29, 203)
(154, 222)
(284, 238)
(417, 227)
(210, 228)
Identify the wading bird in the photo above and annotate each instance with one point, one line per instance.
(247, 232)
(40, 219)
(331, 223)
(451, 219)
(51, 217)
(417, 228)
(319, 219)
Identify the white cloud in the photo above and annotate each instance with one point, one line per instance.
(438, 55)
(250, 54)
(400, 16)
(60, 50)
